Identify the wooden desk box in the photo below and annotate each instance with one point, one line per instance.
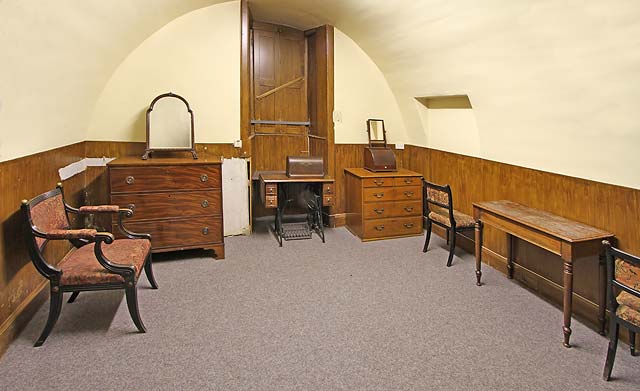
(177, 201)
(383, 205)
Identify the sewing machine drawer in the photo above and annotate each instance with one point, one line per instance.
(158, 178)
(407, 181)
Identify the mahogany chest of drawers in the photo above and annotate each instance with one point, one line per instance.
(383, 205)
(178, 201)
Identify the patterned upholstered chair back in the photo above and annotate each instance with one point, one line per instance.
(46, 213)
(438, 199)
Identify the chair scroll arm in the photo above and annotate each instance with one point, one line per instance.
(93, 209)
(126, 271)
(131, 235)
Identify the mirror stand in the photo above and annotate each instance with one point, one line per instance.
(169, 126)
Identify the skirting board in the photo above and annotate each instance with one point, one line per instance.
(14, 324)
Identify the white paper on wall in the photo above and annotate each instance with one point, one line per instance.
(75, 168)
(235, 196)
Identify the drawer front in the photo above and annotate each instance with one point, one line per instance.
(407, 181)
(393, 193)
(170, 205)
(271, 189)
(327, 188)
(380, 228)
(380, 210)
(159, 178)
(271, 201)
(179, 233)
(377, 182)
(328, 200)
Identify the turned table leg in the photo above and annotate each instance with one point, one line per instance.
(478, 233)
(568, 301)
(510, 241)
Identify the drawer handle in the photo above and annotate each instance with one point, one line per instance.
(205, 231)
(204, 178)
(378, 182)
(327, 189)
(205, 204)
(130, 180)
(379, 211)
(132, 207)
(379, 227)
(408, 193)
(408, 181)
(408, 225)
(378, 195)
(408, 209)
(328, 199)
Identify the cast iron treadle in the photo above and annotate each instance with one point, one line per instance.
(295, 231)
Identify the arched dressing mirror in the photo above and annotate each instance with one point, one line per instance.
(169, 125)
(377, 133)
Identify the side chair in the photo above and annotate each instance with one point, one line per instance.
(623, 296)
(97, 261)
(439, 210)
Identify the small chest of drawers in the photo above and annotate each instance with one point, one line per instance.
(383, 205)
(177, 201)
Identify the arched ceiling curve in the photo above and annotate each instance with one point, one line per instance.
(57, 56)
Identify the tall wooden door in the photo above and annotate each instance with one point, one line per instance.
(280, 103)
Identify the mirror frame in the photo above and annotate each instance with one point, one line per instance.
(377, 143)
(149, 150)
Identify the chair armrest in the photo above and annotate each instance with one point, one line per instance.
(88, 234)
(90, 209)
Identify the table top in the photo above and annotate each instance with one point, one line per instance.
(364, 173)
(162, 161)
(554, 225)
(281, 177)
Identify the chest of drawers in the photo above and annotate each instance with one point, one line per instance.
(177, 201)
(383, 205)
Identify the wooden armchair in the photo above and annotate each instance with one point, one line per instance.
(623, 295)
(96, 262)
(439, 210)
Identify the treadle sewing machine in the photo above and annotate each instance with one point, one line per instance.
(303, 185)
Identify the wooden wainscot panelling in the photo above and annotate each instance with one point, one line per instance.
(612, 208)
(21, 286)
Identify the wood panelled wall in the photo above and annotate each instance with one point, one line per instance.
(612, 208)
(22, 289)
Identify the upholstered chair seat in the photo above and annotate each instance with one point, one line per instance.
(461, 219)
(80, 266)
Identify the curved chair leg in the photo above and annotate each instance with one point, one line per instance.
(632, 342)
(148, 270)
(132, 303)
(55, 305)
(614, 329)
(447, 233)
(426, 242)
(73, 297)
(452, 246)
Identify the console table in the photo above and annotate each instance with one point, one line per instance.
(566, 238)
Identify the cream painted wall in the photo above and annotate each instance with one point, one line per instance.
(196, 56)
(452, 130)
(360, 92)
(56, 57)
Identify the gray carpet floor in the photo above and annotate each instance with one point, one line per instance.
(344, 315)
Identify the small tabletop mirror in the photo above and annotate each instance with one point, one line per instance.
(377, 133)
(169, 125)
